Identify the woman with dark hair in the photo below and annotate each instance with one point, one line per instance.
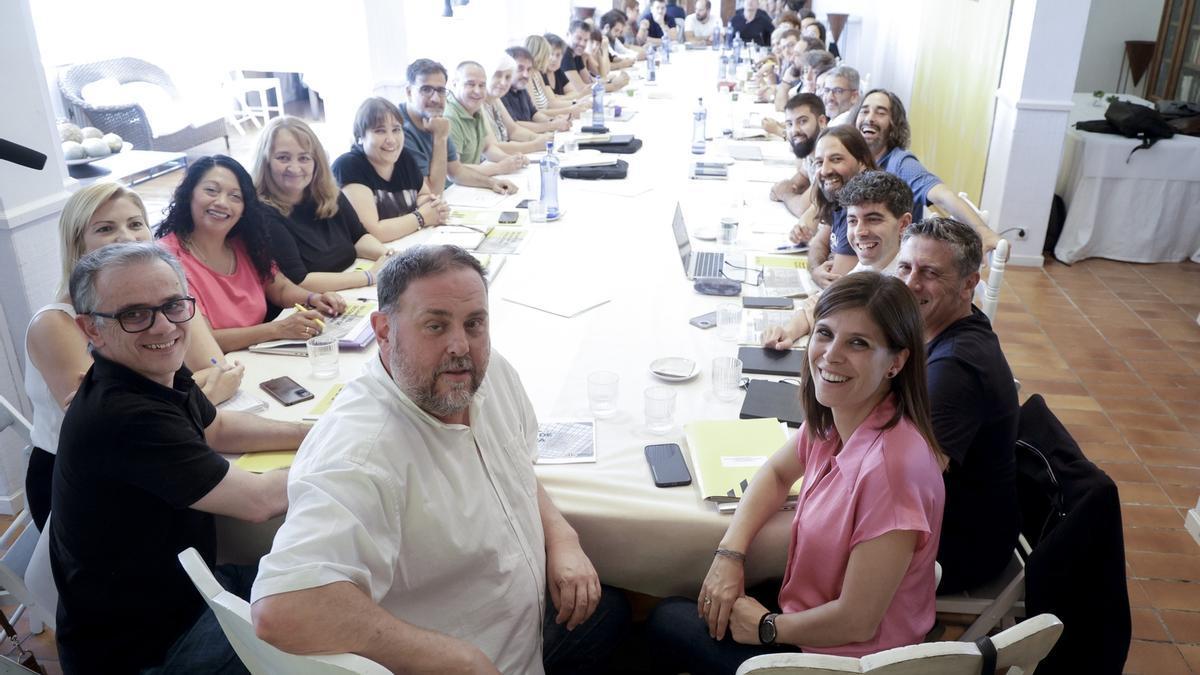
(382, 182)
(860, 569)
(215, 227)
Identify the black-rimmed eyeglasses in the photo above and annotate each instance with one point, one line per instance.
(430, 90)
(138, 319)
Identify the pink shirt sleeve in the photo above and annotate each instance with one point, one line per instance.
(897, 494)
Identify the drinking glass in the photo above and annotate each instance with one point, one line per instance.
(729, 321)
(602, 387)
(660, 409)
(323, 357)
(726, 377)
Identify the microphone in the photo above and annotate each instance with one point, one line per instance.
(19, 154)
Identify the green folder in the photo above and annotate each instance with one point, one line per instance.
(727, 453)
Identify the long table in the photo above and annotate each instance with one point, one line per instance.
(615, 237)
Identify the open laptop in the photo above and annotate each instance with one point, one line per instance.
(706, 264)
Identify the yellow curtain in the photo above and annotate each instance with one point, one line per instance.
(958, 70)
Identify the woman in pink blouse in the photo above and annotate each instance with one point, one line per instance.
(860, 570)
(215, 228)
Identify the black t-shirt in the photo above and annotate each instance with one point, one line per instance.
(395, 197)
(569, 62)
(975, 417)
(301, 243)
(131, 460)
(758, 29)
(519, 104)
(656, 31)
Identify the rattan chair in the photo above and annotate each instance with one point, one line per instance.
(129, 121)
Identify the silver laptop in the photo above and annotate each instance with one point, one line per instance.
(705, 264)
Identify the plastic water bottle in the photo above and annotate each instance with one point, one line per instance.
(723, 68)
(737, 50)
(597, 103)
(650, 66)
(716, 38)
(699, 124)
(666, 45)
(550, 168)
(728, 39)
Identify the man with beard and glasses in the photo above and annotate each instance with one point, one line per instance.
(841, 154)
(839, 91)
(418, 535)
(805, 118)
(884, 123)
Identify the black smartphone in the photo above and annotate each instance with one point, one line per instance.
(667, 466)
(704, 321)
(286, 390)
(508, 217)
(525, 203)
(752, 302)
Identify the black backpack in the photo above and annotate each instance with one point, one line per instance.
(1131, 121)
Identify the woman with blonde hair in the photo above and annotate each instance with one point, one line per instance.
(545, 60)
(58, 356)
(510, 136)
(315, 234)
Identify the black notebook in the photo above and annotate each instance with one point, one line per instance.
(769, 361)
(778, 400)
(613, 139)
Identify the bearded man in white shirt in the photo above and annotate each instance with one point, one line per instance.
(417, 534)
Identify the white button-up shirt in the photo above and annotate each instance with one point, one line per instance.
(438, 523)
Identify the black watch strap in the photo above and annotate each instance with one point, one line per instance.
(767, 632)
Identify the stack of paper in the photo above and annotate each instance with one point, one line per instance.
(727, 453)
(243, 402)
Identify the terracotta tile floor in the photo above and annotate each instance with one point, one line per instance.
(1115, 349)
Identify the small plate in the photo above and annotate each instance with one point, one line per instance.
(706, 234)
(674, 369)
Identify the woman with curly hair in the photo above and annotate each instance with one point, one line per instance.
(215, 226)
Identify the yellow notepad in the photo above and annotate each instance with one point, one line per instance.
(727, 453)
(798, 262)
(262, 462)
(323, 405)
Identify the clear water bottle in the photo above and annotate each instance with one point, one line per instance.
(666, 45)
(550, 168)
(650, 65)
(716, 38)
(737, 50)
(597, 103)
(728, 39)
(722, 68)
(699, 124)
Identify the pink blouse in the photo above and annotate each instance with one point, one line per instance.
(233, 300)
(881, 481)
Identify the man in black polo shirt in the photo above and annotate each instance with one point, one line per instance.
(753, 24)
(137, 479)
(973, 401)
(572, 72)
(520, 105)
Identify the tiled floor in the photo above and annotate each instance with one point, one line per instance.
(1115, 349)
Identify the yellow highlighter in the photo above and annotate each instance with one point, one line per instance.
(300, 308)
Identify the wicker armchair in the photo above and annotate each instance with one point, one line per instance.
(129, 121)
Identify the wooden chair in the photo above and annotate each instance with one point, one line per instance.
(1021, 648)
(998, 602)
(260, 658)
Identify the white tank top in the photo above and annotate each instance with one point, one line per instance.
(47, 412)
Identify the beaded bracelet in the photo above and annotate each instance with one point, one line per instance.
(732, 555)
(420, 220)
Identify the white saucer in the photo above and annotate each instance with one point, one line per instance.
(674, 369)
(706, 234)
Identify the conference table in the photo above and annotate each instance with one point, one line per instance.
(1143, 207)
(614, 245)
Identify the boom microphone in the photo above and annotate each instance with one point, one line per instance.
(19, 154)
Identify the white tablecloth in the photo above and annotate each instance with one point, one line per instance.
(1144, 208)
(643, 538)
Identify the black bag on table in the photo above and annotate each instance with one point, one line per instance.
(609, 172)
(1131, 121)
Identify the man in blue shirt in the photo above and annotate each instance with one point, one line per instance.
(753, 24)
(884, 124)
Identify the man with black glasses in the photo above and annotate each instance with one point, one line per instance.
(138, 478)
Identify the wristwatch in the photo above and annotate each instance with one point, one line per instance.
(766, 629)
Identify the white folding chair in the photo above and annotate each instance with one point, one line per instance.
(260, 658)
(19, 542)
(1024, 645)
(987, 294)
(240, 87)
(998, 602)
(11, 417)
(39, 579)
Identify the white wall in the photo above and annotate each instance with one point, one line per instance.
(1110, 24)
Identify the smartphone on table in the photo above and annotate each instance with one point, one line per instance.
(508, 217)
(286, 390)
(667, 466)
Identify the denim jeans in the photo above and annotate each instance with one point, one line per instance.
(586, 649)
(204, 647)
(679, 639)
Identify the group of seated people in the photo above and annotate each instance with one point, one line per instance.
(417, 533)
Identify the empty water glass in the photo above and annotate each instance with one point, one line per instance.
(602, 387)
(323, 357)
(726, 377)
(660, 409)
(729, 320)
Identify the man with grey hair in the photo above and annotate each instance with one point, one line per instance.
(418, 535)
(138, 477)
(973, 400)
(839, 91)
(468, 127)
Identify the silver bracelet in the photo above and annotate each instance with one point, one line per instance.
(731, 554)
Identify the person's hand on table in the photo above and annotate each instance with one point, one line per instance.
(743, 622)
(513, 163)
(777, 337)
(823, 275)
(502, 186)
(328, 303)
(574, 584)
(723, 585)
(561, 123)
(218, 383)
(435, 212)
(299, 325)
(801, 233)
(772, 126)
